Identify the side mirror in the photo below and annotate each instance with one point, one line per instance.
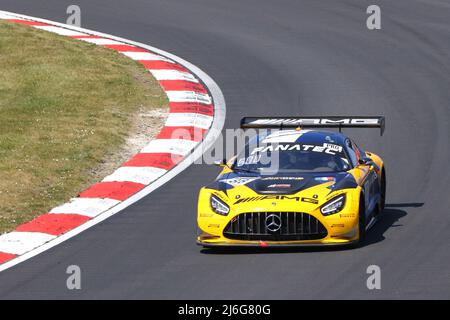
(221, 163)
(366, 161)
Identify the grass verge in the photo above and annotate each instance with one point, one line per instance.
(66, 109)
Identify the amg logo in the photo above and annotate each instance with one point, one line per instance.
(310, 200)
(318, 121)
(259, 198)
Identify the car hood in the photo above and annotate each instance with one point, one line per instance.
(282, 184)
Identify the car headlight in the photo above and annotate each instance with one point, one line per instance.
(333, 206)
(218, 206)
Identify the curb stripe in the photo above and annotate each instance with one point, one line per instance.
(20, 242)
(158, 160)
(4, 257)
(173, 75)
(29, 23)
(54, 224)
(144, 56)
(190, 107)
(172, 85)
(188, 96)
(177, 146)
(185, 133)
(112, 190)
(189, 120)
(143, 175)
(124, 47)
(162, 65)
(86, 36)
(90, 207)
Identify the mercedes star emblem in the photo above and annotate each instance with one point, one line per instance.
(273, 223)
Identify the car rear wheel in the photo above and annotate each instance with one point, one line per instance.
(383, 190)
(361, 222)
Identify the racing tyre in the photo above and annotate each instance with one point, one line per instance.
(383, 190)
(362, 222)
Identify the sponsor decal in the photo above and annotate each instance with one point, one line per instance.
(318, 121)
(283, 136)
(280, 185)
(253, 159)
(333, 147)
(283, 178)
(324, 148)
(206, 215)
(325, 179)
(239, 181)
(347, 215)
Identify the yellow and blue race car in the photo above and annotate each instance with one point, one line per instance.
(299, 185)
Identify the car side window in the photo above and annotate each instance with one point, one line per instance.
(351, 152)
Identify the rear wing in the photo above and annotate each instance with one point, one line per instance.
(314, 122)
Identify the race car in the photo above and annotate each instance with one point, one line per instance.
(295, 184)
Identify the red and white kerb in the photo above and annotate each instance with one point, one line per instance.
(191, 115)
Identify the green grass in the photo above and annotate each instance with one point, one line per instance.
(65, 105)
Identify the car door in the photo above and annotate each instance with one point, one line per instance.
(368, 177)
(370, 184)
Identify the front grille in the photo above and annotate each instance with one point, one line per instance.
(260, 226)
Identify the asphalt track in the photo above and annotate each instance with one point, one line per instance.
(284, 57)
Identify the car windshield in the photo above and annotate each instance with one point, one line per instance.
(291, 158)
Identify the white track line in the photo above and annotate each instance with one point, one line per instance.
(6, 16)
(101, 41)
(61, 31)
